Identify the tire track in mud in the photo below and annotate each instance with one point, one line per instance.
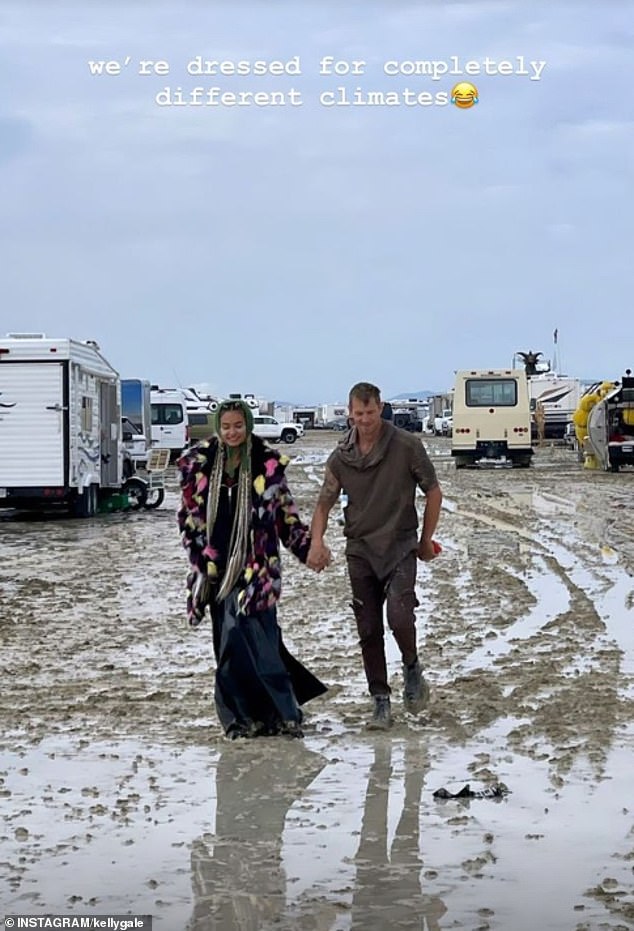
(96, 640)
(533, 647)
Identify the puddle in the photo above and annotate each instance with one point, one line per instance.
(281, 832)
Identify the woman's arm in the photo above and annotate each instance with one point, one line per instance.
(292, 531)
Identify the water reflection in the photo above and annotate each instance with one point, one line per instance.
(388, 891)
(238, 880)
(238, 874)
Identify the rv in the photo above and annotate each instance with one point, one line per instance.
(491, 417)
(558, 396)
(60, 424)
(170, 424)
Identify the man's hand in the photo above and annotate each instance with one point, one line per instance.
(428, 550)
(319, 556)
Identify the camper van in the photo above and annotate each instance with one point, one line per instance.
(170, 424)
(60, 424)
(491, 417)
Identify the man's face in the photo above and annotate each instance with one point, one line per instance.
(366, 417)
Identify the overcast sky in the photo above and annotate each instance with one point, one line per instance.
(291, 250)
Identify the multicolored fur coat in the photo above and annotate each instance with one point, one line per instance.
(274, 517)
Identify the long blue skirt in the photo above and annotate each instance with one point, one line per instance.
(259, 684)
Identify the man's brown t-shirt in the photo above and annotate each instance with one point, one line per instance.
(381, 521)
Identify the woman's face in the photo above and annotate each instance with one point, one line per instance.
(233, 428)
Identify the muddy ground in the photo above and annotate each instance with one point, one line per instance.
(119, 793)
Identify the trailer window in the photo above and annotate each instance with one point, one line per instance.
(491, 392)
(86, 414)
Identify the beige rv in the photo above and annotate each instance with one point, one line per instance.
(491, 417)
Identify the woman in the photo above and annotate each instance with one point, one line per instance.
(236, 507)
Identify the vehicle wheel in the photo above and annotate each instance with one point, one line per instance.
(462, 462)
(614, 467)
(85, 505)
(136, 490)
(154, 498)
(289, 436)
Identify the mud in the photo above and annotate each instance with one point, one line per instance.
(119, 793)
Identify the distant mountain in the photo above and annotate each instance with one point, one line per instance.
(411, 395)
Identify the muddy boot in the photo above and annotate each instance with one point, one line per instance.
(381, 718)
(416, 691)
(291, 729)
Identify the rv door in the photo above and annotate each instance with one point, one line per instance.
(33, 425)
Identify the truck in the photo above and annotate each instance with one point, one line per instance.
(136, 419)
(439, 406)
(270, 428)
(60, 424)
(491, 417)
(443, 423)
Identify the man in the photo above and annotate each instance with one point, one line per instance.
(380, 467)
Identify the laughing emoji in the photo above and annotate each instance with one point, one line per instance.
(464, 95)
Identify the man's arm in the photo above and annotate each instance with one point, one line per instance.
(319, 554)
(431, 514)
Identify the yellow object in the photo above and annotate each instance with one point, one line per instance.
(590, 461)
(580, 417)
(588, 401)
(464, 95)
(628, 417)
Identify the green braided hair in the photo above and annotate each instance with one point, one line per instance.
(238, 542)
(234, 404)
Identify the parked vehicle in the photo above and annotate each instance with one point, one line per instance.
(201, 424)
(559, 397)
(338, 424)
(406, 419)
(61, 399)
(443, 423)
(491, 417)
(271, 429)
(136, 418)
(610, 427)
(170, 425)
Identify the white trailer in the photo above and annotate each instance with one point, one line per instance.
(491, 417)
(60, 424)
(330, 412)
(558, 396)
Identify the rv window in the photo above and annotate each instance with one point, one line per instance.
(86, 414)
(494, 392)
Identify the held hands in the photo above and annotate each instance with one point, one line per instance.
(428, 550)
(319, 556)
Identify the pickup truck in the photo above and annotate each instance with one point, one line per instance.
(271, 429)
(443, 423)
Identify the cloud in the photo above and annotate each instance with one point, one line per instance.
(422, 240)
